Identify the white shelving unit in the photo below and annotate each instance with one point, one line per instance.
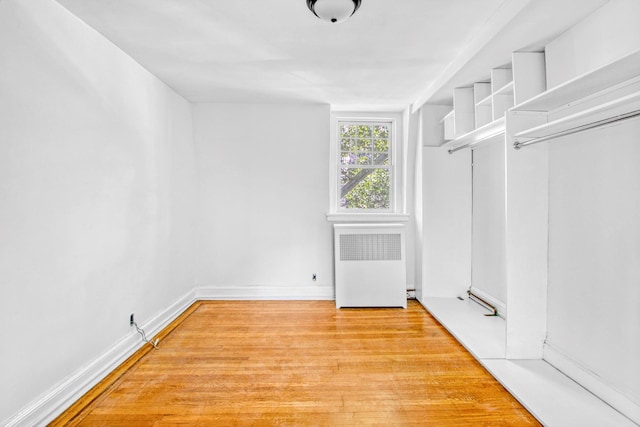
(612, 109)
(484, 134)
(625, 69)
(529, 72)
(502, 89)
(448, 123)
(605, 94)
(479, 110)
(482, 101)
(478, 114)
(464, 112)
(523, 111)
(462, 119)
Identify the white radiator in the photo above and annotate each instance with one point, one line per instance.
(370, 265)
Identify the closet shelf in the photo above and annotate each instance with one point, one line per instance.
(449, 116)
(505, 90)
(483, 134)
(485, 101)
(600, 79)
(608, 110)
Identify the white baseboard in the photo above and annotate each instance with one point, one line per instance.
(265, 292)
(56, 400)
(587, 379)
(48, 406)
(51, 404)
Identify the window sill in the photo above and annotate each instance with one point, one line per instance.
(367, 217)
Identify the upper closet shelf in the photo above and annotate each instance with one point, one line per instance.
(505, 90)
(600, 79)
(607, 112)
(448, 116)
(485, 101)
(484, 134)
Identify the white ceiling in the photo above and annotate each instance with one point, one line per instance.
(391, 53)
(277, 51)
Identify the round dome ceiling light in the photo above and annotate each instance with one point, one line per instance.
(335, 11)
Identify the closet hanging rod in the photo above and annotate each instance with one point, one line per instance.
(453, 150)
(518, 145)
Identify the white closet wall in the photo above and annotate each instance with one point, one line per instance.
(594, 255)
(446, 184)
(561, 213)
(488, 239)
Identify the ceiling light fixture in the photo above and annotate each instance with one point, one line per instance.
(333, 10)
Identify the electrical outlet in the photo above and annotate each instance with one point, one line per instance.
(314, 277)
(131, 320)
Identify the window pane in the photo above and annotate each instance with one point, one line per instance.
(364, 188)
(381, 159)
(364, 158)
(347, 131)
(364, 131)
(364, 145)
(347, 174)
(347, 144)
(348, 158)
(381, 131)
(381, 145)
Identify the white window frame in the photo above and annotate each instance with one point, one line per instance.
(394, 213)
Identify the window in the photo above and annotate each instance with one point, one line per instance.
(365, 165)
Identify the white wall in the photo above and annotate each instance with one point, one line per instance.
(96, 197)
(446, 250)
(526, 244)
(445, 211)
(594, 254)
(593, 294)
(264, 194)
(488, 229)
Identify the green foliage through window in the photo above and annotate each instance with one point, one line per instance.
(365, 165)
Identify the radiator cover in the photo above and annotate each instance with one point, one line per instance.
(370, 265)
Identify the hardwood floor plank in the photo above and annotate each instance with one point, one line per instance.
(303, 363)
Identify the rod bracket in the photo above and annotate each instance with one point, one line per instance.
(483, 303)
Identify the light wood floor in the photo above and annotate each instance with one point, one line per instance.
(302, 363)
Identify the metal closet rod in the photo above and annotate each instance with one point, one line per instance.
(453, 150)
(518, 145)
(482, 302)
